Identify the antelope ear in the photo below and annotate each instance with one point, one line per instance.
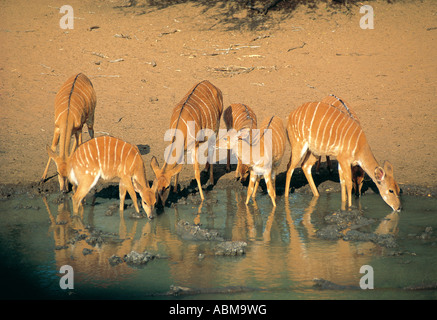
(388, 168)
(155, 166)
(379, 174)
(51, 153)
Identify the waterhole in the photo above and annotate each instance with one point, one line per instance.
(305, 248)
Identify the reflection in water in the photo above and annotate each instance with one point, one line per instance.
(73, 246)
(283, 250)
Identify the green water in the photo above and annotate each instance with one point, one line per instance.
(283, 255)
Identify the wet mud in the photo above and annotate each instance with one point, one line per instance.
(351, 225)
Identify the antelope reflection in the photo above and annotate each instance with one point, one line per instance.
(94, 263)
(306, 257)
(282, 246)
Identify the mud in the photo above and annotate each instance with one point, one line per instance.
(230, 248)
(323, 284)
(179, 290)
(188, 231)
(351, 225)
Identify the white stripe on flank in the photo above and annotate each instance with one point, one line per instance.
(336, 145)
(299, 119)
(120, 162)
(133, 162)
(98, 154)
(89, 151)
(324, 131)
(330, 141)
(345, 135)
(56, 120)
(356, 143)
(311, 124)
(79, 157)
(303, 123)
(316, 141)
(125, 160)
(104, 154)
(351, 136)
(115, 153)
(108, 152)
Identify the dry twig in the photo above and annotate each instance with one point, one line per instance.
(299, 47)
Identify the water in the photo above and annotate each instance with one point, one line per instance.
(283, 255)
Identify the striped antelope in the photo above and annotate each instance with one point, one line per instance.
(107, 158)
(199, 110)
(357, 171)
(238, 117)
(75, 103)
(315, 129)
(270, 140)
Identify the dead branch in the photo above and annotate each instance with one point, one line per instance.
(105, 76)
(231, 70)
(101, 55)
(170, 32)
(124, 36)
(299, 47)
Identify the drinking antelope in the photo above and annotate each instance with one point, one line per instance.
(239, 116)
(315, 129)
(107, 158)
(270, 141)
(357, 171)
(75, 103)
(198, 111)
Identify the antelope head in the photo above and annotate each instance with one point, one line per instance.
(388, 188)
(148, 197)
(161, 183)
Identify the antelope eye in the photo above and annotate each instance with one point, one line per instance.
(391, 191)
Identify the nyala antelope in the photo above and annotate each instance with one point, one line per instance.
(75, 103)
(317, 129)
(199, 110)
(107, 158)
(357, 171)
(238, 117)
(270, 142)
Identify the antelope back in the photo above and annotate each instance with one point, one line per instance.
(279, 138)
(107, 157)
(325, 130)
(239, 116)
(341, 104)
(76, 99)
(203, 105)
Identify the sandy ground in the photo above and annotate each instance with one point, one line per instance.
(388, 74)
